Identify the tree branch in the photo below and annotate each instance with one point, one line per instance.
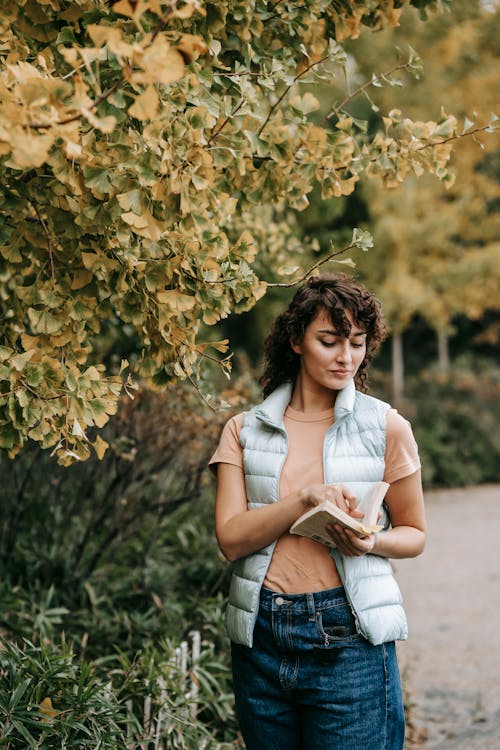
(49, 239)
(288, 284)
(366, 85)
(454, 138)
(106, 94)
(74, 118)
(285, 92)
(223, 125)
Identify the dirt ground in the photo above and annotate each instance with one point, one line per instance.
(451, 662)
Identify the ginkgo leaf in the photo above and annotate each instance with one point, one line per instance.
(100, 446)
(19, 361)
(47, 709)
(43, 321)
(30, 150)
(159, 62)
(176, 300)
(145, 105)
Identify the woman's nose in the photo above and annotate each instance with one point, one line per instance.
(344, 354)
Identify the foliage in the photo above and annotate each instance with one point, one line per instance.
(47, 700)
(455, 427)
(107, 567)
(441, 248)
(51, 700)
(108, 548)
(139, 142)
(454, 418)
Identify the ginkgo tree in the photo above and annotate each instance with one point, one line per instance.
(142, 145)
(441, 247)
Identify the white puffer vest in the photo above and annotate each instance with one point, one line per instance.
(353, 454)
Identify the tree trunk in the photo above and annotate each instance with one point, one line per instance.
(397, 368)
(443, 351)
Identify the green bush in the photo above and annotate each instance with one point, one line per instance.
(456, 426)
(106, 569)
(455, 420)
(51, 700)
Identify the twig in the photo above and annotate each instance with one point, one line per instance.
(366, 85)
(453, 138)
(285, 92)
(223, 125)
(444, 140)
(73, 118)
(288, 284)
(196, 387)
(49, 239)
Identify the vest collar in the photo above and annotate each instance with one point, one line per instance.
(272, 409)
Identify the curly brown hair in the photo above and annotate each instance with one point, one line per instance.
(335, 294)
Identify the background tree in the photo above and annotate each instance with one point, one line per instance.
(437, 249)
(139, 142)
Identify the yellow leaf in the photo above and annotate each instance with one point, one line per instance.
(20, 360)
(29, 342)
(111, 36)
(104, 124)
(144, 225)
(77, 429)
(176, 300)
(210, 317)
(347, 262)
(72, 150)
(125, 8)
(92, 373)
(29, 149)
(100, 447)
(145, 106)
(191, 46)
(306, 103)
(81, 278)
(46, 708)
(221, 346)
(159, 63)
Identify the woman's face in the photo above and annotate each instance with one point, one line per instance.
(329, 360)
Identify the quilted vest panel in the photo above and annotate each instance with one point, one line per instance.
(353, 453)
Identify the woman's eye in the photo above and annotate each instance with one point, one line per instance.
(356, 345)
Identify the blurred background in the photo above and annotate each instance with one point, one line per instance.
(109, 567)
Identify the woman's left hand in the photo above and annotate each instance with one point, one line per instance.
(348, 543)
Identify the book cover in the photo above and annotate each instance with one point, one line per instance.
(313, 523)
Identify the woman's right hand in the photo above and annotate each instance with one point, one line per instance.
(338, 494)
(241, 531)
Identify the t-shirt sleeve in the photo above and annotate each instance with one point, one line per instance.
(401, 450)
(229, 450)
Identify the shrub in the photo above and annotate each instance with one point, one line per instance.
(106, 568)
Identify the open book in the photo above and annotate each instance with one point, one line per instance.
(369, 495)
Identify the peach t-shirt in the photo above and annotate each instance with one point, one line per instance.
(299, 564)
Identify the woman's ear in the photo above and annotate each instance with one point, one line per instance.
(295, 346)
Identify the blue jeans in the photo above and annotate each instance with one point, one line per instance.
(311, 682)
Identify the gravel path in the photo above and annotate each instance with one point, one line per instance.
(451, 662)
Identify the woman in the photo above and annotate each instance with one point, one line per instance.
(313, 629)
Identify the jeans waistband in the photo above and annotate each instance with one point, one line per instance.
(308, 602)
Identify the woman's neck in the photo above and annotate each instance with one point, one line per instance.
(308, 399)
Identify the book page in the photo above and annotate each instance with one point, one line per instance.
(313, 523)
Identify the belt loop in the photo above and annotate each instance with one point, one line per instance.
(311, 608)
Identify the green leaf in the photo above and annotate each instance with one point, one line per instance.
(97, 178)
(44, 322)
